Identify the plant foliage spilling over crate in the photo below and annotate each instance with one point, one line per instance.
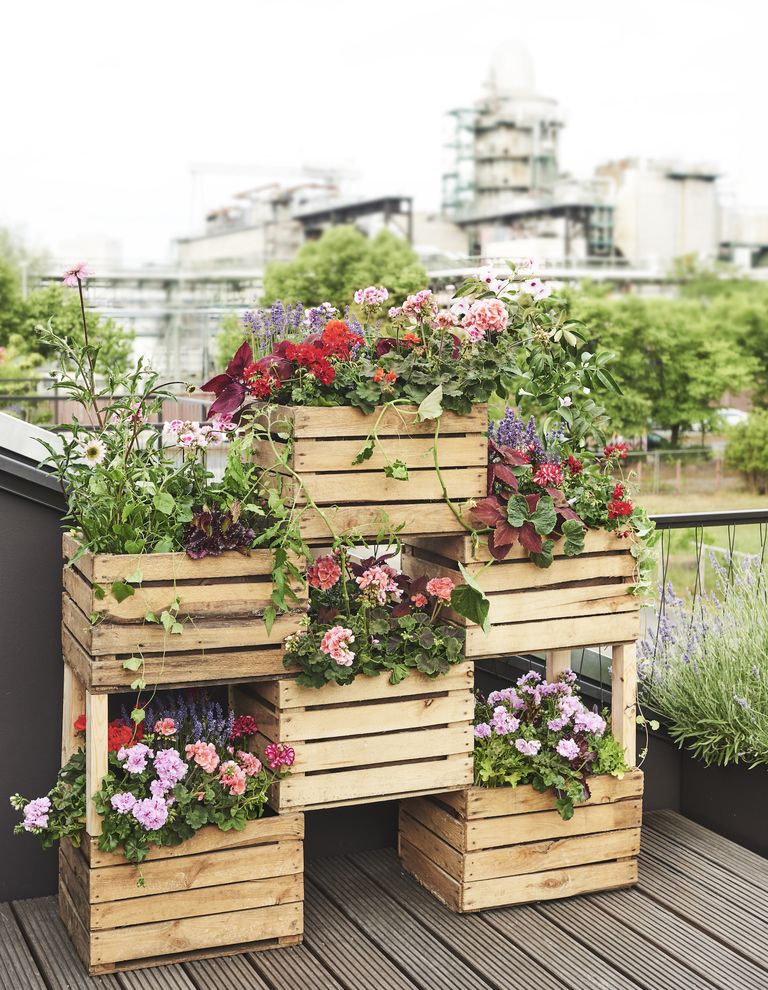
(396, 485)
(370, 740)
(490, 847)
(577, 601)
(217, 893)
(187, 621)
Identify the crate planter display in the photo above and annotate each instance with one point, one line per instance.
(326, 440)
(493, 847)
(577, 601)
(367, 741)
(222, 601)
(216, 894)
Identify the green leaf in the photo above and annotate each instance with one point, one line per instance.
(545, 557)
(398, 672)
(167, 620)
(139, 684)
(135, 577)
(517, 511)
(164, 502)
(397, 470)
(432, 406)
(470, 601)
(138, 715)
(121, 591)
(365, 453)
(177, 629)
(99, 593)
(544, 518)
(574, 532)
(133, 546)
(150, 617)
(165, 545)
(270, 614)
(132, 663)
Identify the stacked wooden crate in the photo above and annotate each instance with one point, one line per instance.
(219, 892)
(487, 847)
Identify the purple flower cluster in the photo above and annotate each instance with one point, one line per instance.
(513, 431)
(195, 719)
(269, 324)
(36, 814)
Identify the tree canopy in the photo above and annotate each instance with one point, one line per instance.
(341, 261)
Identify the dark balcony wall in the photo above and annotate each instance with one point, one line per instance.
(31, 685)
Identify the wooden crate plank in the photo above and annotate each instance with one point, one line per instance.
(96, 755)
(271, 828)
(201, 600)
(291, 694)
(352, 786)
(367, 719)
(430, 845)
(487, 802)
(386, 748)
(413, 518)
(346, 421)
(702, 951)
(447, 889)
(479, 945)
(439, 820)
(532, 637)
(369, 486)
(17, 966)
(73, 705)
(551, 854)
(190, 934)
(624, 697)
(461, 451)
(519, 607)
(539, 825)
(346, 952)
(162, 876)
(460, 547)
(481, 895)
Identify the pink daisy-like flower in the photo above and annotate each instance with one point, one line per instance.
(77, 274)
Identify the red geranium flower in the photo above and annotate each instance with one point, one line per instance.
(338, 339)
(245, 725)
(574, 464)
(617, 450)
(79, 724)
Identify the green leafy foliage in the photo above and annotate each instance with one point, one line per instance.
(747, 450)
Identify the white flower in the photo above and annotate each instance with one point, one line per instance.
(567, 401)
(536, 288)
(93, 452)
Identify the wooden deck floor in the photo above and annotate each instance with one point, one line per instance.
(697, 920)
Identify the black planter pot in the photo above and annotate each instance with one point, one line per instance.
(732, 801)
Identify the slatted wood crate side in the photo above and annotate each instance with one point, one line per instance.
(460, 547)
(217, 901)
(369, 741)
(358, 496)
(473, 864)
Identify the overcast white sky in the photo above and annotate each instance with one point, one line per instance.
(106, 105)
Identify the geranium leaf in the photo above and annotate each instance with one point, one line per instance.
(544, 518)
(574, 532)
(517, 511)
(164, 503)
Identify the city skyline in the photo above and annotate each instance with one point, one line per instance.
(167, 92)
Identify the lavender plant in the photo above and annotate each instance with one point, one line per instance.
(704, 666)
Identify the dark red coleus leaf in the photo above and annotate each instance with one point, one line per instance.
(505, 474)
(505, 535)
(498, 553)
(489, 511)
(514, 457)
(326, 614)
(533, 501)
(530, 539)
(562, 505)
(384, 345)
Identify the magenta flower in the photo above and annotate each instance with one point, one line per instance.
(79, 273)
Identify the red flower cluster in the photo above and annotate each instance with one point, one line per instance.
(260, 382)
(411, 339)
(339, 339)
(314, 357)
(619, 505)
(574, 464)
(548, 475)
(617, 450)
(245, 725)
(118, 732)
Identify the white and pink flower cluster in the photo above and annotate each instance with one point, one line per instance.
(538, 715)
(420, 305)
(194, 436)
(379, 583)
(372, 297)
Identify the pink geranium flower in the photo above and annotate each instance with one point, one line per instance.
(440, 588)
(324, 573)
(233, 777)
(251, 764)
(79, 273)
(381, 580)
(165, 727)
(336, 644)
(488, 315)
(204, 755)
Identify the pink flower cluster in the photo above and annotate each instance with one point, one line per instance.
(36, 814)
(380, 579)
(250, 763)
(204, 754)
(170, 769)
(421, 304)
(134, 758)
(165, 727)
(485, 316)
(324, 573)
(279, 756)
(440, 588)
(371, 297)
(193, 436)
(232, 776)
(336, 644)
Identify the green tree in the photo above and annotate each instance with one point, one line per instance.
(747, 450)
(342, 260)
(672, 364)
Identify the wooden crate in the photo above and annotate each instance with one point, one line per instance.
(224, 637)
(326, 440)
(368, 741)
(216, 894)
(491, 847)
(578, 601)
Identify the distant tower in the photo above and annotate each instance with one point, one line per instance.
(514, 140)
